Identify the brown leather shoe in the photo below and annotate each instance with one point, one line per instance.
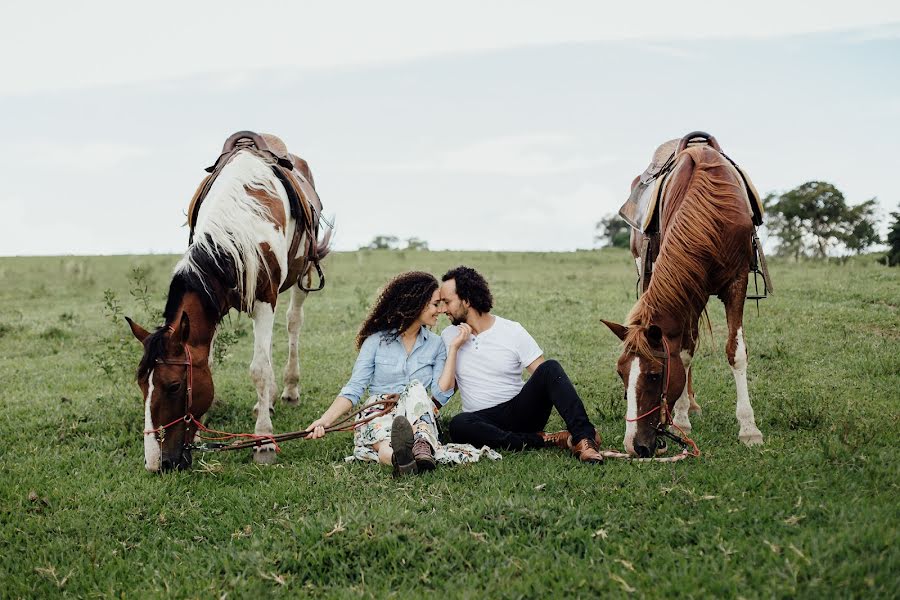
(560, 439)
(563, 439)
(587, 451)
(424, 455)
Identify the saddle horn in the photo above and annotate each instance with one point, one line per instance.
(698, 135)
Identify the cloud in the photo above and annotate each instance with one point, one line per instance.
(512, 156)
(81, 157)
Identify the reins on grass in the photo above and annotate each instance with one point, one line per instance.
(252, 440)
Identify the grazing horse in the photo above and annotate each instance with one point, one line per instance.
(254, 233)
(704, 249)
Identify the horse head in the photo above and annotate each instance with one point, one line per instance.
(654, 378)
(177, 388)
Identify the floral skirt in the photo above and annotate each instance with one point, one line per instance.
(414, 404)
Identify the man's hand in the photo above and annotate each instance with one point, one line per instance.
(463, 334)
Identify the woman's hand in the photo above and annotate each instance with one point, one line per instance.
(464, 332)
(317, 428)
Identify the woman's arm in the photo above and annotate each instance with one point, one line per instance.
(337, 408)
(447, 380)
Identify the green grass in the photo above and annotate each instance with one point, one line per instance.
(812, 513)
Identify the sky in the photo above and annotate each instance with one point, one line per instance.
(471, 125)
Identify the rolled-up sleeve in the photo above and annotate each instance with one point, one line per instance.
(439, 362)
(362, 370)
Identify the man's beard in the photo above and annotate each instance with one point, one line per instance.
(459, 319)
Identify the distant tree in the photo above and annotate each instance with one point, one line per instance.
(415, 243)
(892, 257)
(384, 242)
(613, 232)
(814, 218)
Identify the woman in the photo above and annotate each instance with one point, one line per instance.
(398, 354)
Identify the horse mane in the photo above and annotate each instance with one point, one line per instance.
(695, 217)
(226, 246)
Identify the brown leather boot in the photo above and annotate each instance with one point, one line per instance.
(587, 451)
(402, 444)
(424, 455)
(560, 439)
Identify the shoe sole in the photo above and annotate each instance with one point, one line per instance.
(402, 443)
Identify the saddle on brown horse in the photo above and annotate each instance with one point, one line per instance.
(643, 206)
(294, 174)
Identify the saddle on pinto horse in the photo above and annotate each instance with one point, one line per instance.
(642, 206)
(295, 176)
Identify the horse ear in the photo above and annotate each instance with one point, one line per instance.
(620, 330)
(184, 329)
(139, 332)
(654, 335)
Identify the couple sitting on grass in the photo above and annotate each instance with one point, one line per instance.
(481, 354)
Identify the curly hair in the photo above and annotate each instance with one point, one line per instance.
(398, 306)
(471, 287)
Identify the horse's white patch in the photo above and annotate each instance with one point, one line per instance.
(749, 433)
(631, 405)
(151, 446)
(683, 404)
(261, 366)
(232, 222)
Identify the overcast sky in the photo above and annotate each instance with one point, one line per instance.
(472, 125)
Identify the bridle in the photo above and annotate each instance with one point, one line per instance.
(188, 417)
(662, 406)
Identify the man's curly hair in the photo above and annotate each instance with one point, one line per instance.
(398, 306)
(471, 287)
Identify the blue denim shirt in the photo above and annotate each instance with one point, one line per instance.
(383, 367)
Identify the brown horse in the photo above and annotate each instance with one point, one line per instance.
(255, 224)
(704, 249)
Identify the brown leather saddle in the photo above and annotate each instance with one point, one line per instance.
(294, 174)
(642, 208)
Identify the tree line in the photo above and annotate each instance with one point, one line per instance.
(813, 220)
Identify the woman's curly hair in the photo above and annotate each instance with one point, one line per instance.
(398, 306)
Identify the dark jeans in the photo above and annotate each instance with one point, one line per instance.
(514, 424)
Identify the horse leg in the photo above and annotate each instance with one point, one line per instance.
(684, 402)
(263, 377)
(736, 350)
(694, 408)
(291, 393)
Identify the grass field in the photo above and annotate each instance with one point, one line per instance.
(812, 513)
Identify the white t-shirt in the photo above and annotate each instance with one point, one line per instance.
(489, 365)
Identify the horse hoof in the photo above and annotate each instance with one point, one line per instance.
(264, 457)
(752, 439)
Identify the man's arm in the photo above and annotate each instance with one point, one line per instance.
(535, 364)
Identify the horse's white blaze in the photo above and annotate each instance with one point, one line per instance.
(683, 404)
(749, 433)
(631, 405)
(294, 323)
(151, 446)
(233, 222)
(261, 366)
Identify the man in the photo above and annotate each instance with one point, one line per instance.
(499, 410)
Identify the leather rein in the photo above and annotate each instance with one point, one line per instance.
(252, 440)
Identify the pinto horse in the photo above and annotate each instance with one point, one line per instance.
(255, 233)
(704, 249)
